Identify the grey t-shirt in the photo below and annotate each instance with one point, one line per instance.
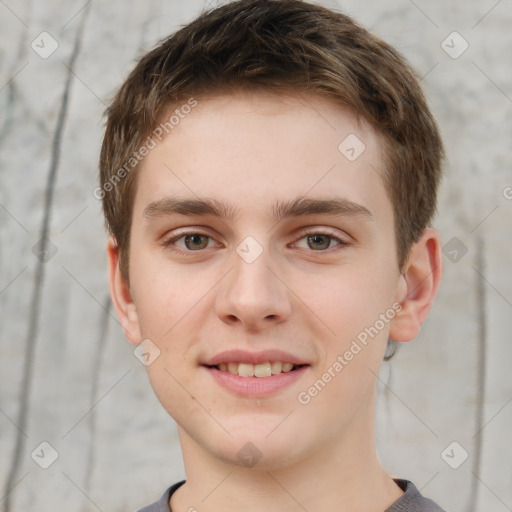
(410, 501)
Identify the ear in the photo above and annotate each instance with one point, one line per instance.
(418, 286)
(121, 296)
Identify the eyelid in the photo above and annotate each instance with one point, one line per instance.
(309, 231)
(169, 241)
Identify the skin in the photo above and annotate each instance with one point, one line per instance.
(300, 295)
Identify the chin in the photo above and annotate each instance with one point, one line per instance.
(256, 455)
(264, 447)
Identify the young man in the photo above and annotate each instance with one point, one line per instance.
(268, 176)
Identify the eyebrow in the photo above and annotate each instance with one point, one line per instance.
(298, 207)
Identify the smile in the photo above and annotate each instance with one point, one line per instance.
(255, 374)
(260, 370)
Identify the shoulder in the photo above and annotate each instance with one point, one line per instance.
(412, 500)
(162, 505)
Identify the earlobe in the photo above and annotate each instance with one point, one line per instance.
(418, 286)
(121, 296)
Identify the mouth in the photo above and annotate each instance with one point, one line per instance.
(260, 370)
(261, 374)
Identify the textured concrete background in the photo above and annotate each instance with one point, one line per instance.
(67, 375)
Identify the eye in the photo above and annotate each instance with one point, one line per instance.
(190, 241)
(320, 241)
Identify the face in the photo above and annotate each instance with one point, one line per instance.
(263, 243)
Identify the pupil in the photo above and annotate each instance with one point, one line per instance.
(317, 239)
(196, 241)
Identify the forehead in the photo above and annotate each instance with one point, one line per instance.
(250, 150)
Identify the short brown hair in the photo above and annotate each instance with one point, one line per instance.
(280, 46)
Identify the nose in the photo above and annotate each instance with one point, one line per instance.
(253, 295)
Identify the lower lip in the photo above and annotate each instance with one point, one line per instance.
(256, 386)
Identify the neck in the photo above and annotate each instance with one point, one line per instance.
(346, 477)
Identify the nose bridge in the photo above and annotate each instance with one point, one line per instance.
(252, 294)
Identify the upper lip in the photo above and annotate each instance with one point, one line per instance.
(243, 356)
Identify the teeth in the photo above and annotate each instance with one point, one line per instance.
(256, 370)
(277, 367)
(246, 370)
(262, 370)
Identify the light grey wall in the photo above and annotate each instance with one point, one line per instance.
(67, 375)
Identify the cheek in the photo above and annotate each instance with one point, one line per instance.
(164, 296)
(349, 301)
(175, 391)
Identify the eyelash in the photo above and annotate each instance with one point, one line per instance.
(168, 243)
